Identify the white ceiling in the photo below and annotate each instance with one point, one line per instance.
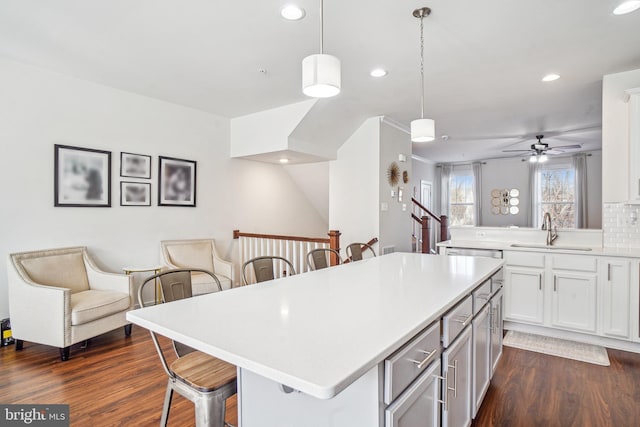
(484, 60)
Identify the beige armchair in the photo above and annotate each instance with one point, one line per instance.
(199, 254)
(59, 297)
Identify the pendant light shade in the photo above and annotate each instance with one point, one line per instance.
(423, 130)
(321, 76)
(321, 72)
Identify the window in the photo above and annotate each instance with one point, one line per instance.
(557, 194)
(461, 200)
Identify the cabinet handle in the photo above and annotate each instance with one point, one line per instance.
(426, 360)
(555, 283)
(455, 379)
(445, 387)
(464, 322)
(609, 271)
(491, 314)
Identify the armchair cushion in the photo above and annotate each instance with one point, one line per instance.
(203, 284)
(192, 255)
(59, 270)
(91, 305)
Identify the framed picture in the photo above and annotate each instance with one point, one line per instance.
(135, 193)
(135, 165)
(82, 177)
(176, 182)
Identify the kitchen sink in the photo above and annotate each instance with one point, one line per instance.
(534, 246)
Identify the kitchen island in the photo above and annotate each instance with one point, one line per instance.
(323, 334)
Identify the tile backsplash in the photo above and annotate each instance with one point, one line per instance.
(621, 226)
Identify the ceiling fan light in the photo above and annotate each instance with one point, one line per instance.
(543, 158)
(423, 130)
(533, 158)
(321, 76)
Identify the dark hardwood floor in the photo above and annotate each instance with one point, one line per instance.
(533, 389)
(118, 381)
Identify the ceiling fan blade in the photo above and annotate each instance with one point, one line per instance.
(553, 151)
(514, 151)
(566, 147)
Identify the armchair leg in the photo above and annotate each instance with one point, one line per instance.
(19, 345)
(127, 330)
(64, 354)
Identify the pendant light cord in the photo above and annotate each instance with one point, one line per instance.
(422, 66)
(321, 27)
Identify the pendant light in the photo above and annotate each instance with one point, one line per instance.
(321, 72)
(422, 130)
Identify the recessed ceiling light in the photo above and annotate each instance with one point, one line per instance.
(378, 72)
(291, 12)
(627, 7)
(550, 77)
(284, 160)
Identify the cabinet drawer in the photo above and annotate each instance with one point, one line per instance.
(406, 364)
(481, 296)
(456, 320)
(524, 259)
(574, 262)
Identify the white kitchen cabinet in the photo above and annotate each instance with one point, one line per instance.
(457, 369)
(496, 328)
(615, 291)
(634, 144)
(574, 301)
(419, 405)
(524, 294)
(481, 357)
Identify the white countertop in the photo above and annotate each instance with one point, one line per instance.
(319, 331)
(557, 248)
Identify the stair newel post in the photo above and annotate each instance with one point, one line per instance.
(334, 243)
(426, 232)
(444, 228)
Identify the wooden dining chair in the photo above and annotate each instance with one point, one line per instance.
(355, 251)
(203, 379)
(263, 268)
(317, 258)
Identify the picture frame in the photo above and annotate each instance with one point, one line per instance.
(135, 165)
(176, 182)
(135, 193)
(82, 177)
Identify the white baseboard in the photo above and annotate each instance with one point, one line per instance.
(631, 346)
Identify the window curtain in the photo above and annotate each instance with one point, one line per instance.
(477, 192)
(445, 174)
(580, 168)
(534, 218)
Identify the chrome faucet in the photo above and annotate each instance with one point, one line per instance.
(546, 225)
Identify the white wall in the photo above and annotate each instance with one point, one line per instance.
(395, 223)
(514, 173)
(40, 108)
(615, 135)
(354, 185)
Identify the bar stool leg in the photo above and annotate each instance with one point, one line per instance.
(167, 405)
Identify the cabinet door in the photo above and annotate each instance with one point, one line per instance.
(615, 294)
(419, 405)
(456, 368)
(481, 357)
(523, 294)
(634, 146)
(574, 301)
(496, 326)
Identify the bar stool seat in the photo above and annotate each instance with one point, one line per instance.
(203, 372)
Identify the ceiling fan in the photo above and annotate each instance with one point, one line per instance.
(539, 150)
